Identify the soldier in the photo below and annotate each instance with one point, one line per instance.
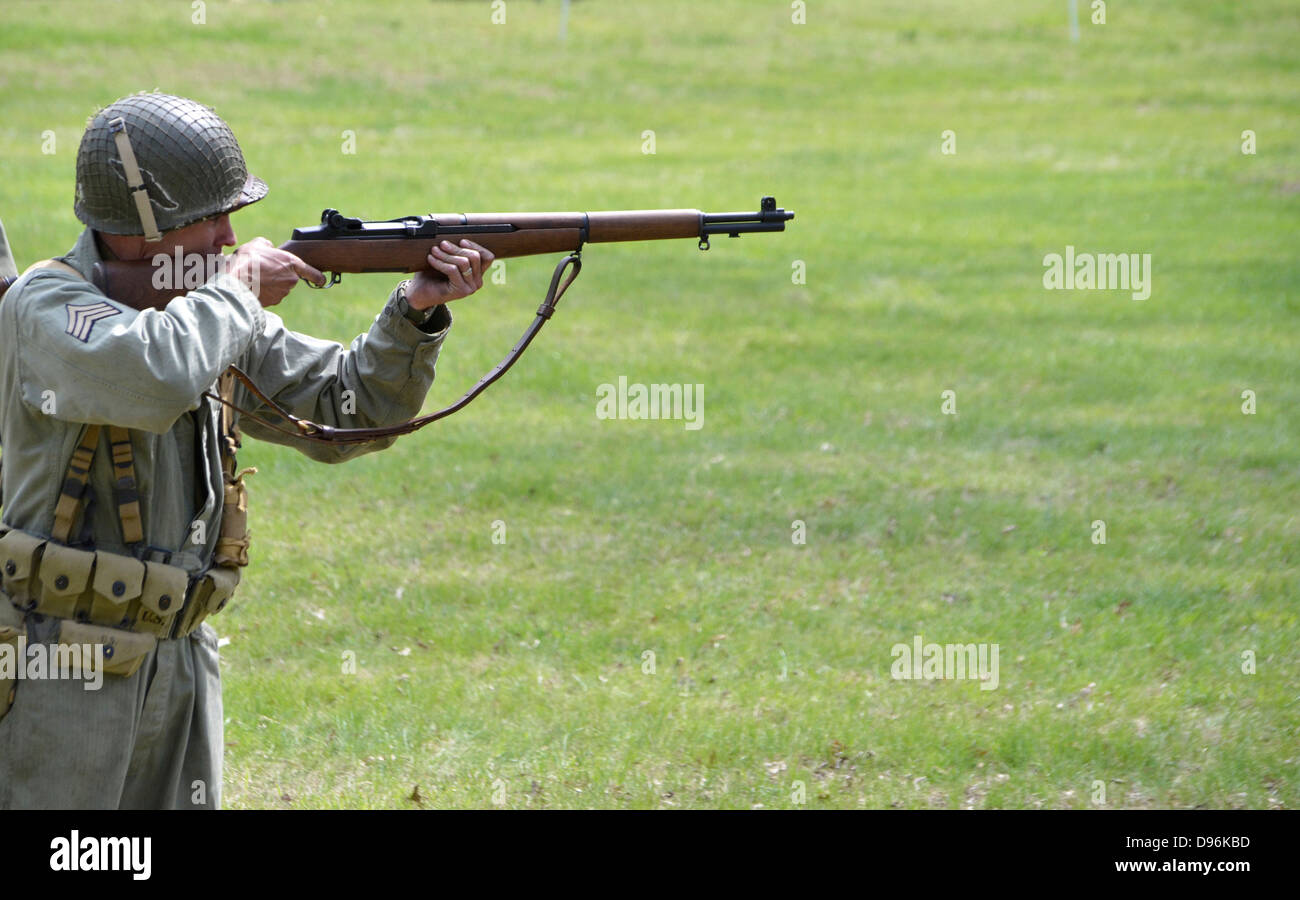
(123, 520)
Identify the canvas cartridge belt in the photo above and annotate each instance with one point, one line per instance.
(94, 587)
(121, 652)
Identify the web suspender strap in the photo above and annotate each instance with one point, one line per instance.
(124, 486)
(56, 264)
(75, 484)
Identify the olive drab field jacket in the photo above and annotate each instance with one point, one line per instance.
(69, 356)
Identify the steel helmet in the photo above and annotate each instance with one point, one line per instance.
(150, 163)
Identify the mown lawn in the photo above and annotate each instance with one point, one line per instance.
(649, 633)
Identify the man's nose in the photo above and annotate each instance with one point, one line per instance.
(225, 232)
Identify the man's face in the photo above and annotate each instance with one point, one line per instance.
(206, 237)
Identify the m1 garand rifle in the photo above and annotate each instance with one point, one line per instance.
(343, 245)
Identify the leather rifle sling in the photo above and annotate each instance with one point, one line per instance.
(328, 434)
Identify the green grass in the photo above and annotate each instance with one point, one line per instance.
(516, 673)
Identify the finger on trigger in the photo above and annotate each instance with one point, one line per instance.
(310, 272)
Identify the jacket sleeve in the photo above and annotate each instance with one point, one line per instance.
(382, 379)
(85, 358)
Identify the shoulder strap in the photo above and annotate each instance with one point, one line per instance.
(75, 485)
(8, 281)
(57, 265)
(124, 487)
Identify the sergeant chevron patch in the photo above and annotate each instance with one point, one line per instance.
(83, 316)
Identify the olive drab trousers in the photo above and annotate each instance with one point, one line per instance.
(149, 741)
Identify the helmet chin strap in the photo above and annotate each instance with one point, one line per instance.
(135, 181)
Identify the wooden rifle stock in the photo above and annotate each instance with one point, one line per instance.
(345, 245)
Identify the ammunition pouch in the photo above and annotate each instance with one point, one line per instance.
(108, 590)
(233, 542)
(124, 651)
(121, 652)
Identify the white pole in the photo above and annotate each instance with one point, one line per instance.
(1074, 19)
(564, 19)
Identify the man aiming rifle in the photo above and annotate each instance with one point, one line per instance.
(123, 521)
(122, 397)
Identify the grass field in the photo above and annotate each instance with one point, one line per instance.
(650, 633)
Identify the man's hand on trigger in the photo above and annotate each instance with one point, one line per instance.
(270, 272)
(454, 272)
